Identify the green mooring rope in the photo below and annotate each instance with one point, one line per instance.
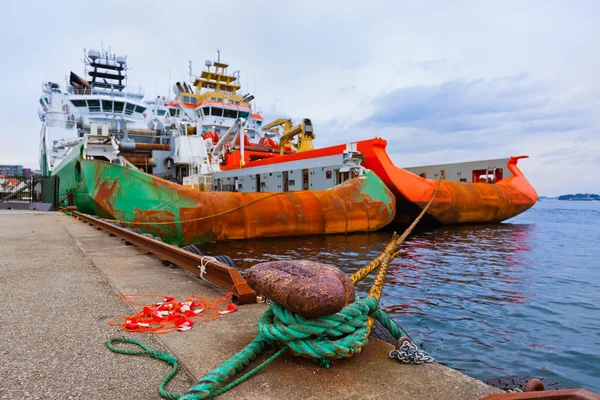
(147, 351)
(339, 335)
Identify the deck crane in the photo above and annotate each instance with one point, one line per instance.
(304, 131)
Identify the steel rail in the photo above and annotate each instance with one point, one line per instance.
(215, 272)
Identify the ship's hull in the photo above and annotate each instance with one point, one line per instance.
(184, 216)
(454, 202)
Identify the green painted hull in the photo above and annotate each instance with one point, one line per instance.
(180, 215)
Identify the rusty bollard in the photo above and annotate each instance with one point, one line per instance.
(307, 288)
(534, 385)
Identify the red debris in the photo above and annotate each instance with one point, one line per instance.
(170, 314)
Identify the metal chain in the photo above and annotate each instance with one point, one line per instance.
(409, 353)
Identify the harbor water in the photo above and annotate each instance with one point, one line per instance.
(518, 298)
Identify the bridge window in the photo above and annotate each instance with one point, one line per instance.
(161, 112)
(230, 113)
(78, 103)
(193, 100)
(119, 106)
(129, 108)
(107, 106)
(244, 114)
(94, 106)
(206, 111)
(140, 109)
(172, 112)
(186, 99)
(217, 112)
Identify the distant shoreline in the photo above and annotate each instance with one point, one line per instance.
(573, 197)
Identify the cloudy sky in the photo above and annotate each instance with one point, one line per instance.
(440, 81)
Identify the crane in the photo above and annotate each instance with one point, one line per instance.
(304, 131)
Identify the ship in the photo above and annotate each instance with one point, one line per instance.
(247, 155)
(118, 156)
(209, 138)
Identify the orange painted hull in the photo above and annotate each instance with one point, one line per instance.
(455, 202)
(183, 216)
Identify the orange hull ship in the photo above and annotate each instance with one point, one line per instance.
(454, 203)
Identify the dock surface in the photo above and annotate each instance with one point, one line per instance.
(59, 281)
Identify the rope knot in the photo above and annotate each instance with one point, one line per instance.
(334, 336)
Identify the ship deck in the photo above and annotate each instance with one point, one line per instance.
(60, 282)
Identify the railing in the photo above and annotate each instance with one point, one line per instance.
(109, 92)
(29, 189)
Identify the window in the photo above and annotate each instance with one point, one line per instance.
(79, 103)
(237, 102)
(129, 108)
(193, 100)
(217, 112)
(244, 114)
(94, 106)
(107, 106)
(199, 113)
(161, 112)
(172, 112)
(140, 109)
(206, 111)
(186, 99)
(220, 100)
(213, 98)
(44, 104)
(119, 106)
(230, 113)
(258, 123)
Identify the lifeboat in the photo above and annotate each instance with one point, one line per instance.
(180, 215)
(454, 202)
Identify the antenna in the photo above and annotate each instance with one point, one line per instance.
(218, 54)
(190, 69)
(84, 63)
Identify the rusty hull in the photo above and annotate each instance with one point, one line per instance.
(182, 215)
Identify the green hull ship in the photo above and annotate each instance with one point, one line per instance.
(182, 216)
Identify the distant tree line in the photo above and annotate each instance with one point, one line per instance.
(578, 196)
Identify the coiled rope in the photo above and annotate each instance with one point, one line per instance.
(335, 336)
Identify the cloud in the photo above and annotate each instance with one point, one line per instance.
(464, 120)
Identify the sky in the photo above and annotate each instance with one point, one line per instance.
(440, 81)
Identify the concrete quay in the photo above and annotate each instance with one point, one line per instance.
(59, 281)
